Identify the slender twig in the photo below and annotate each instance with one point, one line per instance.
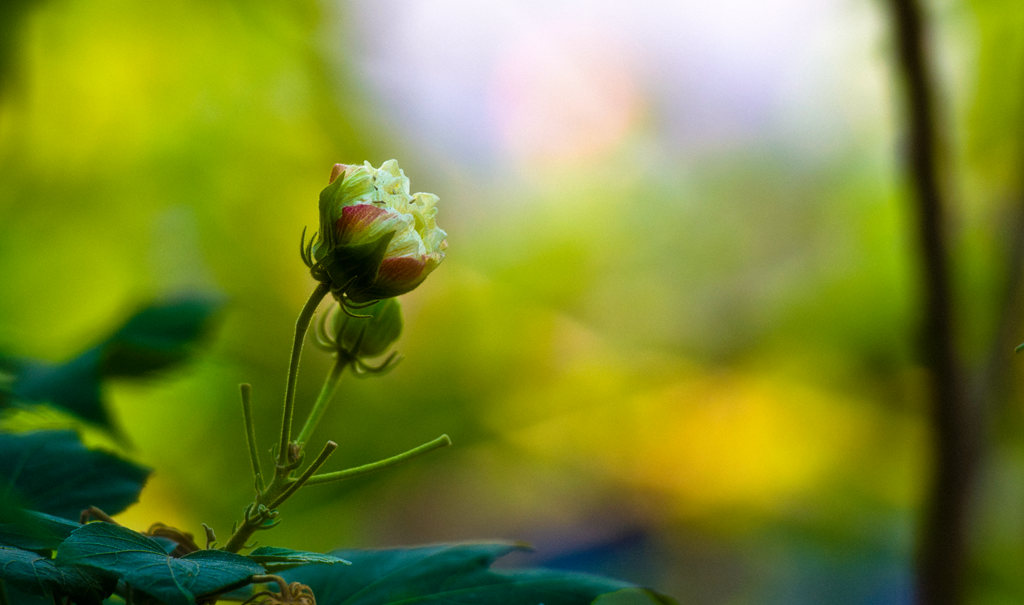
(301, 325)
(263, 510)
(442, 441)
(942, 543)
(323, 399)
(250, 434)
(325, 453)
(94, 512)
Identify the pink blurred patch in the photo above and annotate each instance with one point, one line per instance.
(356, 220)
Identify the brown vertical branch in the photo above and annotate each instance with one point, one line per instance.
(943, 537)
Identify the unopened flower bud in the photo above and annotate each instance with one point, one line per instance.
(376, 240)
(368, 336)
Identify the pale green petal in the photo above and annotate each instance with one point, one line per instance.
(406, 243)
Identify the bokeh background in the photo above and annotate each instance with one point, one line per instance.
(674, 337)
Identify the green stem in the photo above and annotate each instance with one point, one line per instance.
(323, 399)
(250, 434)
(281, 487)
(305, 476)
(442, 441)
(301, 325)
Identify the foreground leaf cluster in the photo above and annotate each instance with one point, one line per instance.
(50, 481)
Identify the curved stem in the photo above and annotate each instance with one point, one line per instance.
(442, 441)
(301, 325)
(250, 434)
(322, 400)
(238, 539)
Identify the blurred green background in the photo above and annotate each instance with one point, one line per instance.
(673, 340)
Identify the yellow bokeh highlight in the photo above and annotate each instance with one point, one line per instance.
(713, 441)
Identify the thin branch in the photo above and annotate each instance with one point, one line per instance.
(250, 434)
(294, 486)
(323, 399)
(349, 473)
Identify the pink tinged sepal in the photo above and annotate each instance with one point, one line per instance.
(361, 222)
(400, 274)
(401, 271)
(337, 170)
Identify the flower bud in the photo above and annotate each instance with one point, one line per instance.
(376, 240)
(369, 336)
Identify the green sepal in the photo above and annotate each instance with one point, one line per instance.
(372, 335)
(353, 269)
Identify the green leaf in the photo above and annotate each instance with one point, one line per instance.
(36, 574)
(155, 338)
(19, 596)
(52, 472)
(73, 386)
(448, 573)
(633, 596)
(142, 564)
(276, 559)
(33, 530)
(158, 337)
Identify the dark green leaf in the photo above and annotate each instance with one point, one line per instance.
(158, 337)
(142, 564)
(33, 530)
(277, 559)
(54, 473)
(73, 386)
(455, 573)
(633, 596)
(33, 573)
(155, 338)
(20, 596)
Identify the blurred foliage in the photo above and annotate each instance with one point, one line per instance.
(53, 473)
(435, 574)
(693, 371)
(157, 337)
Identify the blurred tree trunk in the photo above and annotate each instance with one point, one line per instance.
(943, 532)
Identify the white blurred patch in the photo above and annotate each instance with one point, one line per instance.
(567, 80)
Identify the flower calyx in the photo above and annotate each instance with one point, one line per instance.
(354, 338)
